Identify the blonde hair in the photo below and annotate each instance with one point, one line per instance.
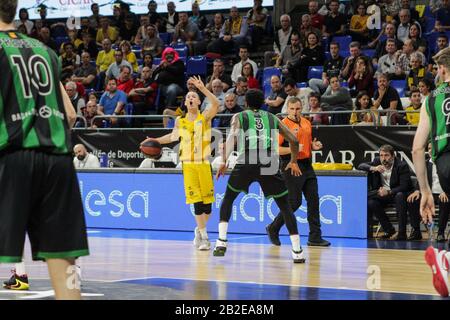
(443, 58)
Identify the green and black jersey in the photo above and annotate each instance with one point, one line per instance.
(32, 114)
(438, 109)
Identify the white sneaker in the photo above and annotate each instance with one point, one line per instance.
(298, 257)
(204, 245)
(197, 238)
(439, 266)
(220, 249)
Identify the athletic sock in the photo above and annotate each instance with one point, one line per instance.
(295, 240)
(203, 233)
(223, 228)
(20, 269)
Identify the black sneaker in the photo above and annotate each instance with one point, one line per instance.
(17, 282)
(388, 235)
(415, 235)
(320, 243)
(440, 238)
(273, 237)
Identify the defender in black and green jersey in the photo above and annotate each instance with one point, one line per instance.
(434, 125)
(40, 192)
(256, 132)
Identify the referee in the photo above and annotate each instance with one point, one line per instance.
(40, 191)
(434, 124)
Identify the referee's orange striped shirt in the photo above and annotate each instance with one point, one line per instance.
(303, 132)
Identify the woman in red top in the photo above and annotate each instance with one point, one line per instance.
(248, 72)
(361, 77)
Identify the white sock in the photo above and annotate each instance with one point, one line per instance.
(20, 269)
(223, 228)
(295, 240)
(203, 233)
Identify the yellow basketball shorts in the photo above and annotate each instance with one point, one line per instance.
(198, 182)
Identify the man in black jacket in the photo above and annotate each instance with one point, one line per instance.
(391, 183)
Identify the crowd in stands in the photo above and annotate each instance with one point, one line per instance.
(336, 59)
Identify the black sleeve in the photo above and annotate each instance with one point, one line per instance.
(404, 178)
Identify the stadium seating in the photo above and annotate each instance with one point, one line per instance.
(182, 49)
(368, 52)
(429, 24)
(267, 90)
(156, 61)
(344, 41)
(196, 66)
(269, 72)
(302, 84)
(315, 72)
(400, 86)
(165, 37)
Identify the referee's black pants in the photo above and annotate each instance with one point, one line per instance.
(306, 184)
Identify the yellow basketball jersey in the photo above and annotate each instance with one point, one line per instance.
(195, 139)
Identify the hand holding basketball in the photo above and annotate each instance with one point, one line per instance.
(151, 147)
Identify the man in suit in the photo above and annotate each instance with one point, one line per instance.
(391, 183)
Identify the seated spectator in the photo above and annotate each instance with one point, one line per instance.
(291, 90)
(277, 96)
(390, 32)
(390, 183)
(88, 45)
(248, 73)
(337, 98)
(416, 73)
(358, 25)
(143, 95)
(231, 107)
(239, 90)
(219, 73)
(404, 25)
(314, 105)
(404, 60)
(305, 29)
(234, 34)
(106, 32)
(441, 43)
(387, 98)
(86, 73)
(129, 55)
(188, 33)
(124, 82)
(440, 197)
(69, 61)
(391, 9)
(435, 5)
(73, 39)
(334, 24)
(213, 29)
(112, 102)
(170, 19)
(312, 55)
(256, 19)
(282, 39)
(114, 69)
(363, 102)
(77, 100)
(317, 19)
(332, 67)
(147, 61)
(152, 43)
(325, 9)
(104, 59)
(86, 28)
(24, 20)
(443, 17)
(413, 111)
(387, 63)
(415, 34)
(217, 90)
(404, 4)
(154, 17)
(89, 113)
(425, 87)
(361, 77)
(196, 17)
(44, 37)
(237, 68)
(84, 159)
(128, 30)
(290, 56)
(141, 33)
(349, 62)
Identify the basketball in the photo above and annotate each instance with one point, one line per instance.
(151, 148)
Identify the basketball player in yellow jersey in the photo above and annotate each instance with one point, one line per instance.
(194, 132)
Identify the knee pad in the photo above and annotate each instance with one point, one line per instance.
(201, 208)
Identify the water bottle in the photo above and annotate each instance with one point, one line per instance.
(104, 160)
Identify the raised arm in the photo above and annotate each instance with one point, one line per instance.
(212, 110)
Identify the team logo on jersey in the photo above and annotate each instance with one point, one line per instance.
(446, 110)
(45, 112)
(259, 125)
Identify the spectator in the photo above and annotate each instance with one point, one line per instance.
(124, 82)
(69, 61)
(349, 62)
(290, 56)
(391, 8)
(128, 55)
(363, 102)
(441, 43)
(147, 61)
(425, 87)
(106, 32)
(305, 29)
(443, 17)
(112, 101)
(231, 107)
(85, 74)
(257, 19)
(219, 73)
(143, 95)
(325, 9)
(212, 30)
(320, 118)
(237, 68)
(334, 24)
(141, 33)
(435, 5)
(72, 34)
(413, 111)
(416, 35)
(114, 69)
(337, 98)
(86, 28)
(291, 90)
(358, 25)
(404, 60)
(387, 98)
(248, 73)
(332, 67)
(24, 21)
(188, 33)
(116, 20)
(94, 19)
(217, 90)
(387, 64)
(196, 17)
(312, 55)
(154, 17)
(152, 43)
(390, 181)
(416, 73)
(83, 159)
(44, 37)
(404, 25)
(361, 77)
(317, 19)
(380, 50)
(89, 113)
(239, 91)
(170, 77)
(129, 30)
(88, 45)
(282, 39)
(277, 96)
(78, 102)
(105, 57)
(404, 4)
(170, 19)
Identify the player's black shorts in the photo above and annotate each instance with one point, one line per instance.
(40, 196)
(443, 171)
(243, 175)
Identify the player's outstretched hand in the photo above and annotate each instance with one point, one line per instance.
(148, 139)
(197, 82)
(221, 171)
(295, 170)
(427, 207)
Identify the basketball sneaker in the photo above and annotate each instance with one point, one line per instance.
(220, 249)
(439, 266)
(17, 282)
(298, 257)
(197, 238)
(204, 245)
